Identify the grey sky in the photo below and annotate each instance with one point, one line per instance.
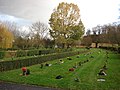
(92, 12)
(28, 9)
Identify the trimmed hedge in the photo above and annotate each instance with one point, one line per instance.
(107, 48)
(32, 52)
(35, 52)
(21, 53)
(111, 48)
(47, 51)
(10, 65)
(2, 54)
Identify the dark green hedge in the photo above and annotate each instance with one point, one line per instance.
(46, 51)
(111, 48)
(2, 54)
(21, 53)
(10, 65)
(32, 52)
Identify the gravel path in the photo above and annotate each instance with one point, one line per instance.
(13, 86)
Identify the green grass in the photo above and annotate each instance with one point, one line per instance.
(87, 73)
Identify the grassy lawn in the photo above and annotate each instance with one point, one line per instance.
(87, 73)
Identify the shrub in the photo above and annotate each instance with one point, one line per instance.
(21, 53)
(2, 54)
(32, 52)
(9, 65)
(111, 48)
(46, 51)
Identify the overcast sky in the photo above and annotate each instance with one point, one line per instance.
(93, 12)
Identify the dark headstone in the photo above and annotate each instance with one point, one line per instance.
(59, 77)
(78, 56)
(41, 66)
(102, 73)
(92, 57)
(46, 64)
(69, 58)
(27, 72)
(79, 63)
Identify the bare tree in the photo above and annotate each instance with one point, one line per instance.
(40, 28)
(39, 32)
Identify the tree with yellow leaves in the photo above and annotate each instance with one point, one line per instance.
(6, 37)
(66, 25)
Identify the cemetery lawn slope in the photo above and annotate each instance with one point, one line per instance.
(87, 72)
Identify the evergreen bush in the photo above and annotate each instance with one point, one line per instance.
(9, 65)
(2, 54)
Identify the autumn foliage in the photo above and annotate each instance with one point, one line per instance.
(6, 37)
(66, 24)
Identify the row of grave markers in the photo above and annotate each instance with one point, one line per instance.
(76, 65)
